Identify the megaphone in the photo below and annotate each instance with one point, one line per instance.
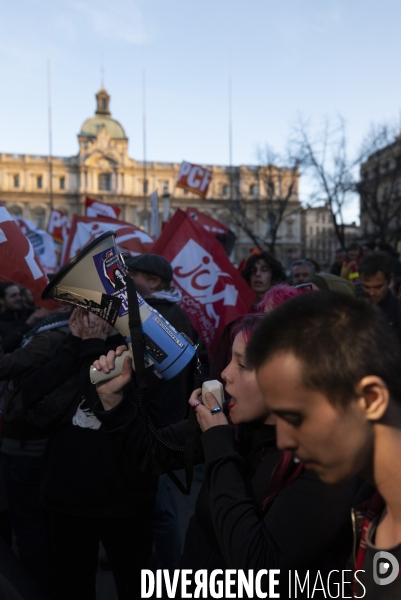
(95, 280)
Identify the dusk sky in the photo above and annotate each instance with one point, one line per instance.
(289, 58)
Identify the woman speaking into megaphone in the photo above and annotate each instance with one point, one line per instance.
(257, 509)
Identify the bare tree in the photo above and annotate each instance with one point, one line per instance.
(333, 173)
(275, 196)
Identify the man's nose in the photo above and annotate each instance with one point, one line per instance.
(285, 439)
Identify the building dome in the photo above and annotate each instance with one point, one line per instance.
(102, 120)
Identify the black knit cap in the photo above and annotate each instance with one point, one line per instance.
(151, 263)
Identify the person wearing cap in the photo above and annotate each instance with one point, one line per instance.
(152, 275)
(333, 283)
(167, 400)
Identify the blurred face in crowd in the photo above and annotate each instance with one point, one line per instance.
(353, 254)
(301, 274)
(376, 286)
(366, 250)
(27, 297)
(334, 441)
(260, 280)
(12, 298)
(246, 403)
(339, 258)
(145, 283)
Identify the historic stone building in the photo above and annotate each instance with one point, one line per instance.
(31, 185)
(320, 240)
(380, 194)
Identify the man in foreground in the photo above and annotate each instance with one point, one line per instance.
(328, 366)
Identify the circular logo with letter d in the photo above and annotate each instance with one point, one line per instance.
(385, 568)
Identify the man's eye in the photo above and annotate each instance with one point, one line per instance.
(294, 420)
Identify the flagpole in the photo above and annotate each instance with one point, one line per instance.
(145, 186)
(50, 159)
(230, 125)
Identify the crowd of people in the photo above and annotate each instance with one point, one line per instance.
(300, 467)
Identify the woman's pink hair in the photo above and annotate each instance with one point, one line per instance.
(278, 294)
(246, 325)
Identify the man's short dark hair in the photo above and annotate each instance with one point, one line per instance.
(371, 264)
(278, 273)
(338, 340)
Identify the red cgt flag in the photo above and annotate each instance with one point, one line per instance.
(213, 292)
(19, 262)
(95, 208)
(129, 238)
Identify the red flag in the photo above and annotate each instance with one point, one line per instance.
(210, 224)
(129, 238)
(59, 226)
(194, 178)
(95, 208)
(213, 292)
(19, 262)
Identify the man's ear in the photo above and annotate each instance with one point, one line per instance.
(154, 283)
(374, 395)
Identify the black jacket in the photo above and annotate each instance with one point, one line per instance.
(86, 472)
(307, 526)
(13, 326)
(168, 399)
(390, 306)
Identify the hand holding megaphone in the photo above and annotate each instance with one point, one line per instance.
(118, 365)
(95, 281)
(103, 370)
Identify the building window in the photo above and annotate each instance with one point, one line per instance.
(40, 218)
(16, 211)
(224, 190)
(253, 190)
(104, 182)
(62, 183)
(39, 182)
(104, 103)
(323, 218)
(16, 180)
(317, 217)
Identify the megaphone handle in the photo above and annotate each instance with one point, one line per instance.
(98, 376)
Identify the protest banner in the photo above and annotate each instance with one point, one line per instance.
(129, 238)
(221, 232)
(58, 227)
(95, 208)
(42, 243)
(213, 292)
(18, 260)
(194, 178)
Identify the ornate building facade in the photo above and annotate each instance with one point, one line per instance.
(31, 185)
(320, 240)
